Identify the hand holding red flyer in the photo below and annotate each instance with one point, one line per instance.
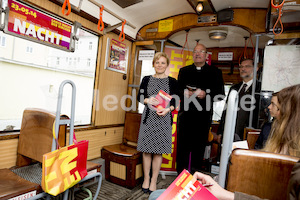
(185, 186)
(163, 98)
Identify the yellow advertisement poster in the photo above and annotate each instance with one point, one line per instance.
(165, 25)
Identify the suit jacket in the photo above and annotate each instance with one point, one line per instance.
(242, 115)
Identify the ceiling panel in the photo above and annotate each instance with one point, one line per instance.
(224, 4)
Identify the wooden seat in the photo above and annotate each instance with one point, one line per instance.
(252, 138)
(12, 185)
(247, 130)
(123, 163)
(35, 139)
(259, 173)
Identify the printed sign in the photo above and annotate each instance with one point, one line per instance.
(29, 23)
(117, 56)
(165, 25)
(146, 54)
(24, 196)
(225, 56)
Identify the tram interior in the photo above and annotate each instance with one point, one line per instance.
(104, 59)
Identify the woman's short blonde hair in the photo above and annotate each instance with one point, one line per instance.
(160, 54)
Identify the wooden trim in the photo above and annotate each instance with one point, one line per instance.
(9, 135)
(97, 80)
(55, 9)
(143, 43)
(88, 21)
(131, 73)
(253, 20)
(287, 36)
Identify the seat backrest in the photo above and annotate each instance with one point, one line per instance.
(131, 128)
(36, 135)
(247, 130)
(259, 173)
(252, 138)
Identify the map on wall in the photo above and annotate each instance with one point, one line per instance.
(281, 67)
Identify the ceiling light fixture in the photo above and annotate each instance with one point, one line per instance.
(217, 34)
(199, 7)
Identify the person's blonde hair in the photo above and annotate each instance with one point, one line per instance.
(160, 54)
(285, 133)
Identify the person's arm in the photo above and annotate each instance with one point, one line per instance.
(142, 90)
(220, 192)
(181, 83)
(215, 188)
(142, 96)
(243, 196)
(174, 93)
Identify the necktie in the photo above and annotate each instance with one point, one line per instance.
(243, 90)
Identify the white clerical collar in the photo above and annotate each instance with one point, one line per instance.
(198, 68)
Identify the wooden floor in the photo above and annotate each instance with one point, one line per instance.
(110, 191)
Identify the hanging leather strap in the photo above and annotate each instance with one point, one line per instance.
(279, 7)
(122, 32)
(64, 7)
(100, 21)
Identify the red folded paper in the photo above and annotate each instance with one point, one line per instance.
(163, 98)
(185, 186)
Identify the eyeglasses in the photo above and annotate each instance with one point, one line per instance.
(201, 51)
(245, 66)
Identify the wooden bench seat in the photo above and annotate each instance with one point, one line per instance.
(123, 163)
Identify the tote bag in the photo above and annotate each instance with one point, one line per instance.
(64, 167)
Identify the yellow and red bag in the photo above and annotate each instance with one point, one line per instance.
(64, 167)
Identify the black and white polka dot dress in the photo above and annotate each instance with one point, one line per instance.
(155, 135)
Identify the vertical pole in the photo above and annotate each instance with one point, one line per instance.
(162, 42)
(229, 128)
(254, 80)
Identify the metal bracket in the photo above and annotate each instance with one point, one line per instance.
(78, 8)
(74, 37)
(3, 13)
(109, 28)
(113, 14)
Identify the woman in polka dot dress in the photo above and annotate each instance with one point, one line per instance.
(155, 135)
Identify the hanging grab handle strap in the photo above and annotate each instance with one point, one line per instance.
(100, 21)
(122, 32)
(64, 7)
(279, 7)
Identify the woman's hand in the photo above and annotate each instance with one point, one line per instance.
(163, 112)
(151, 101)
(214, 187)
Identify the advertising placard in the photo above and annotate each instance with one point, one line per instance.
(117, 56)
(29, 23)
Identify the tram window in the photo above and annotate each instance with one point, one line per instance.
(31, 74)
(2, 40)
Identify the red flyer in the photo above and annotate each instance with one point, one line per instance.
(185, 186)
(163, 98)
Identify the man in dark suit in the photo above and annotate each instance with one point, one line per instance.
(244, 90)
(199, 86)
